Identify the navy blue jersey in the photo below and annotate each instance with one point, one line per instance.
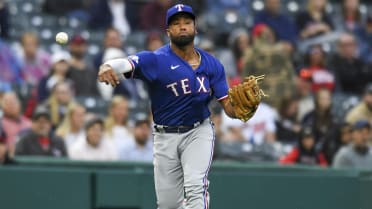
(179, 95)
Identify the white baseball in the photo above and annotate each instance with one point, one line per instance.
(62, 38)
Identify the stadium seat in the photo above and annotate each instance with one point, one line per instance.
(95, 105)
(245, 151)
(342, 103)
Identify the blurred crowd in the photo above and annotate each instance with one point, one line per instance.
(316, 57)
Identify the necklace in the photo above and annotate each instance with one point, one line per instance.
(196, 63)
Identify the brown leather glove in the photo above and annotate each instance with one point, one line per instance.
(246, 97)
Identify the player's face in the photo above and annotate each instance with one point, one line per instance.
(181, 30)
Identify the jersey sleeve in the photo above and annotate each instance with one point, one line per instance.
(144, 64)
(218, 82)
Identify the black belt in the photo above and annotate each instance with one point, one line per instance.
(175, 129)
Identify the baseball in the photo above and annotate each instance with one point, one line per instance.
(61, 38)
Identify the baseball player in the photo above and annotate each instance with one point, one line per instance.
(182, 79)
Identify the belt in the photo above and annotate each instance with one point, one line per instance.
(175, 129)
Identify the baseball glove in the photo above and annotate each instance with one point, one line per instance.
(246, 97)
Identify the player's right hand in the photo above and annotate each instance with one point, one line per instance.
(107, 74)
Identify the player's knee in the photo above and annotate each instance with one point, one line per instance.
(196, 186)
(195, 190)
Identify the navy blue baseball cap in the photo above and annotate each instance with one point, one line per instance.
(360, 124)
(179, 8)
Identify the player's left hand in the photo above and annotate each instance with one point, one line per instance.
(107, 74)
(246, 97)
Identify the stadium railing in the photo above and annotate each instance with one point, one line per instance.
(63, 184)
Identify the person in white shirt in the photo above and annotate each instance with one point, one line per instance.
(259, 129)
(94, 146)
(139, 149)
(116, 123)
(72, 127)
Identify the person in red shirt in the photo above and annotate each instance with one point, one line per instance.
(316, 70)
(305, 152)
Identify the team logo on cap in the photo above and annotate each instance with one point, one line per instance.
(179, 7)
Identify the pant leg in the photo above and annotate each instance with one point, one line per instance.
(196, 159)
(168, 172)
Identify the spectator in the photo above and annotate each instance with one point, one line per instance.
(365, 36)
(139, 149)
(153, 14)
(350, 19)
(39, 140)
(305, 94)
(72, 127)
(59, 101)
(287, 126)
(305, 153)
(283, 27)
(259, 129)
(58, 73)
(273, 60)
(233, 132)
(357, 154)
(317, 71)
(239, 42)
(314, 21)
(224, 6)
(12, 122)
(4, 20)
(362, 111)
(342, 138)
(81, 69)
(111, 13)
(207, 45)
(4, 88)
(154, 40)
(94, 146)
(35, 62)
(10, 67)
(71, 8)
(5, 157)
(112, 39)
(321, 119)
(348, 68)
(116, 123)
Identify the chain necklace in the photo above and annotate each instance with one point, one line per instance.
(196, 63)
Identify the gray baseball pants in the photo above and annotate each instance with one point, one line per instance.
(181, 165)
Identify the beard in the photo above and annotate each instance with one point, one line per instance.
(182, 41)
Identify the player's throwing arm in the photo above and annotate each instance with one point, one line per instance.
(113, 70)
